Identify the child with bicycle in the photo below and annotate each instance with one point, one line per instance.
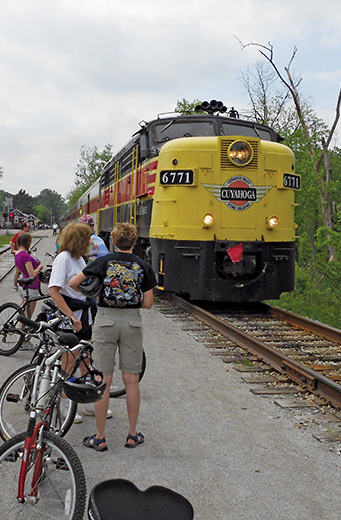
(29, 267)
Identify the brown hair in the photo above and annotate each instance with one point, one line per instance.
(25, 224)
(124, 236)
(24, 240)
(75, 239)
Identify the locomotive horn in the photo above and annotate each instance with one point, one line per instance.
(198, 108)
(219, 105)
(213, 104)
(223, 109)
(205, 105)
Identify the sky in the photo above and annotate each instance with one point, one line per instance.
(79, 73)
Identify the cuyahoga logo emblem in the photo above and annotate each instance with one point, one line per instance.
(238, 192)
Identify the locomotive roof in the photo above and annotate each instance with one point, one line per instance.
(221, 125)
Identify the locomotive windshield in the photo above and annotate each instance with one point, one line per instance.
(168, 130)
(249, 131)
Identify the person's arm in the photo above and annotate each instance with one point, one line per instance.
(76, 280)
(58, 299)
(33, 272)
(148, 299)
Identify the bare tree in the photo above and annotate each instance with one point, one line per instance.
(320, 156)
(267, 105)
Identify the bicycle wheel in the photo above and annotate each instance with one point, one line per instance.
(61, 487)
(117, 388)
(10, 337)
(15, 395)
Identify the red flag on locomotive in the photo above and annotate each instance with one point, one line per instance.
(235, 253)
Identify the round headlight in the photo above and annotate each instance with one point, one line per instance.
(240, 153)
(208, 220)
(272, 222)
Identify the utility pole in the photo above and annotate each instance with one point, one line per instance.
(9, 204)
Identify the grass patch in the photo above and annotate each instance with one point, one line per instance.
(319, 302)
(4, 239)
(244, 362)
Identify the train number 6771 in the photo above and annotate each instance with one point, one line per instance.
(176, 177)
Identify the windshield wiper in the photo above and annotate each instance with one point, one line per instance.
(256, 130)
(167, 126)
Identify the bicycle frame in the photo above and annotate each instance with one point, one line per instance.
(52, 365)
(11, 330)
(46, 372)
(26, 305)
(30, 442)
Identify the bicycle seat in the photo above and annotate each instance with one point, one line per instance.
(68, 338)
(119, 499)
(26, 281)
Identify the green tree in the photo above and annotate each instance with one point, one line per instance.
(184, 107)
(74, 194)
(43, 214)
(88, 169)
(23, 201)
(53, 201)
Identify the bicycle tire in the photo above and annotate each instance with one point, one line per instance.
(62, 484)
(10, 337)
(117, 391)
(14, 405)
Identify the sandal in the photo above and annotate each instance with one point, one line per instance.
(92, 442)
(138, 439)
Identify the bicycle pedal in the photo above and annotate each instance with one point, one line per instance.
(12, 398)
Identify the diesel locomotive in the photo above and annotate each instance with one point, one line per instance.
(213, 199)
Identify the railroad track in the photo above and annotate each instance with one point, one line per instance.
(305, 355)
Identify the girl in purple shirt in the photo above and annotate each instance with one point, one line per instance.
(28, 266)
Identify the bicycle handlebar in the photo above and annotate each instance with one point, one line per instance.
(37, 326)
(63, 338)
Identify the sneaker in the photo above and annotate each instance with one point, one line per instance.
(64, 406)
(90, 411)
(27, 345)
(15, 288)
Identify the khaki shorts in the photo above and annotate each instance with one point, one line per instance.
(118, 329)
(32, 293)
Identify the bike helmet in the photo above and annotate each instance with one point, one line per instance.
(44, 276)
(85, 389)
(91, 287)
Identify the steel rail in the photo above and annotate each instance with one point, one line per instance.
(313, 381)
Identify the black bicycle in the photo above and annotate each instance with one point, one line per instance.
(12, 333)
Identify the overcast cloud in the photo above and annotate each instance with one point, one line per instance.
(78, 72)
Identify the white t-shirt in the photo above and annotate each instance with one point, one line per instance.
(64, 268)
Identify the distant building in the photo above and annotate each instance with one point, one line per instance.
(16, 217)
